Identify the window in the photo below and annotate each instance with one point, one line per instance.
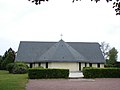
(85, 64)
(39, 64)
(79, 66)
(98, 65)
(46, 64)
(90, 64)
(30, 65)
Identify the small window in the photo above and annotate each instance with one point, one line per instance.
(46, 64)
(30, 65)
(98, 65)
(39, 64)
(85, 64)
(79, 66)
(90, 64)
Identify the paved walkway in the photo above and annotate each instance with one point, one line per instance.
(74, 84)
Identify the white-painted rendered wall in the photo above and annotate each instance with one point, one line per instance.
(28, 65)
(43, 65)
(82, 65)
(64, 65)
(101, 65)
(88, 65)
(94, 65)
(36, 65)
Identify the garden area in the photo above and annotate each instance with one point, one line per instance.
(15, 75)
(12, 81)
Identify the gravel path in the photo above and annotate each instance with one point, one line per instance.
(74, 84)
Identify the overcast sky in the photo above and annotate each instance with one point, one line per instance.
(82, 21)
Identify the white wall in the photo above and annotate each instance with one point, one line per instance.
(94, 65)
(82, 65)
(36, 65)
(101, 65)
(64, 65)
(88, 65)
(43, 65)
(28, 64)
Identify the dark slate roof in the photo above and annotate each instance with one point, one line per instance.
(62, 52)
(59, 52)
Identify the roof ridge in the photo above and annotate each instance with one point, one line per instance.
(56, 42)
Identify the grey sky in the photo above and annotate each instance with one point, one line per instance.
(85, 21)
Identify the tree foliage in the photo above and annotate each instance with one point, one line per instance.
(37, 2)
(116, 5)
(0, 61)
(105, 48)
(17, 68)
(112, 57)
(8, 57)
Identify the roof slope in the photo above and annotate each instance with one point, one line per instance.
(59, 51)
(91, 51)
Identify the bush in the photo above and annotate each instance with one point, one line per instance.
(20, 68)
(17, 68)
(10, 66)
(40, 73)
(101, 72)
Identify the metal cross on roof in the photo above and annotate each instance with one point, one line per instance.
(61, 36)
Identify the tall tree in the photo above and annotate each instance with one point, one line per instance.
(105, 49)
(0, 61)
(112, 57)
(5, 55)
(9, 57)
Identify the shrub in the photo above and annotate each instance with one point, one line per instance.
(17, 68)
(40, 73)
(20, 68)
(10, 66)
(101, 72)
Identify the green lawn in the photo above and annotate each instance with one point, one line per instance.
(12, 81)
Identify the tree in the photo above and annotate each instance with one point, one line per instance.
(9, 57)
(5, 55)
(37, 2)
(105, 48)
(116, 4)
(0, 61)
(112, 57)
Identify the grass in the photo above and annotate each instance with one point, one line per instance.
(12, 81)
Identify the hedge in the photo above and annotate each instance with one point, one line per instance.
(41, 73)
(101, 72)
